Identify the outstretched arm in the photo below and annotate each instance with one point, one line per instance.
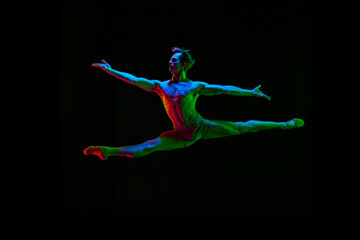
(143, 83)
(211, 90)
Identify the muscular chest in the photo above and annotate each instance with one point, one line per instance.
(176, 92)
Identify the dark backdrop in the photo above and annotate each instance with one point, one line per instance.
(245, 44)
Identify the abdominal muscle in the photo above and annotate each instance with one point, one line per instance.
(179, 103)
(186, 120)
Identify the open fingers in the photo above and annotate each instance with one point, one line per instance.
(104, 61)
(99, 65)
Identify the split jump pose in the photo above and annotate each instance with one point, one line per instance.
(179, 96)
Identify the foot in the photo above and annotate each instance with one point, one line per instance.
(96, 150)
(293, 123)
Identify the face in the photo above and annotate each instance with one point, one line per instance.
(174, 63)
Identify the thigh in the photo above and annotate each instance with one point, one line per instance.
(219, 128)
(171, 140)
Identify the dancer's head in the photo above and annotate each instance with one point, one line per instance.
(180, 60)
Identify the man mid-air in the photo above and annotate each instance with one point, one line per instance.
(179, 96)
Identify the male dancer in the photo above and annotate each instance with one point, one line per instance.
(179, 96)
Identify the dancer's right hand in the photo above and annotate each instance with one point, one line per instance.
(103, 66)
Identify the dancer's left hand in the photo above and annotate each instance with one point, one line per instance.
(256, 91)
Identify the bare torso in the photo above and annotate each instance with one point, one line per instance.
(179, 101)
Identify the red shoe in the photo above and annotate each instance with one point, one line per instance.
(96, 150)
(293, 123)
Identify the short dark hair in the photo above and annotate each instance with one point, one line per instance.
(185, 57)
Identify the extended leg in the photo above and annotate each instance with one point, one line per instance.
(162, 143)
(226, 128)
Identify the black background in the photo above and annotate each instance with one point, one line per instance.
(244, 44)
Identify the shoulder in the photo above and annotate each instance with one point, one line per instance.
(160, 85)
(198, 86)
